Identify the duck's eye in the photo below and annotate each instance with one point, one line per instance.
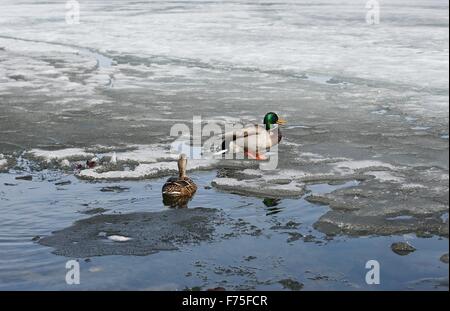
(272, 118)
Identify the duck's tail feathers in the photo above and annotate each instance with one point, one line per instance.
(223, 149)
(221, 152)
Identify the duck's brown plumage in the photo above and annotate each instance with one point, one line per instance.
(181, 186)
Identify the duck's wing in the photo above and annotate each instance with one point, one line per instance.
(258, 142)
(179, 186)
(229, 138)
(250, 130)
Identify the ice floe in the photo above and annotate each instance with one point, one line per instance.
(69, 153)
(316, 169)
(144, 170)
(384, 176)
(279, 183)
(144, 154)
(412, 186)
(129, 162)
(314, 158)
(353, 166)
(260, 187)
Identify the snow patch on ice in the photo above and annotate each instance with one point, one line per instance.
(385, 176)
(412, 186)
(144, 170)
(277, 183)
(291, 143)
(145, 154)
(315, 158)
(259, 187)
(353, 166)
(61, 154)
(291, 182)
(251, 172)
(152, 161)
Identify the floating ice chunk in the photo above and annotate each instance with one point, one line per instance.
(259, 187)
(61, 154)
(137, 153)
(412, 186)
(314, 158)
(118, 238)
(161, 158)
(384, 176)
(353, 166)
(144, 170)
(145, 154)
(251, 172)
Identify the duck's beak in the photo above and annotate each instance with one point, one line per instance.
(281, 121)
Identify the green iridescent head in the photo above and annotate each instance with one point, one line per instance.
(271, 118)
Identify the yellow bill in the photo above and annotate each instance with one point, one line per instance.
(281, 121)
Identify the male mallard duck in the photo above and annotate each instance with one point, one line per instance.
(255, 139)
(181, 187)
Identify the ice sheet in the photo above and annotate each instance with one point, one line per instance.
(259, 187)
(144, 170)
(69, 153)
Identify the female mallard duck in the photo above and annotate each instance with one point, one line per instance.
(255, 139)
(181, 188)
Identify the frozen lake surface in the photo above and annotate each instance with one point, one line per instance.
(363, 162)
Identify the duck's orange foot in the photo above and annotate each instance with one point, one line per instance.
(255, 156)
(260, 157)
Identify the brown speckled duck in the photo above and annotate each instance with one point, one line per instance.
(181, 188)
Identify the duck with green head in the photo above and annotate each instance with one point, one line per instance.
(255, 140)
